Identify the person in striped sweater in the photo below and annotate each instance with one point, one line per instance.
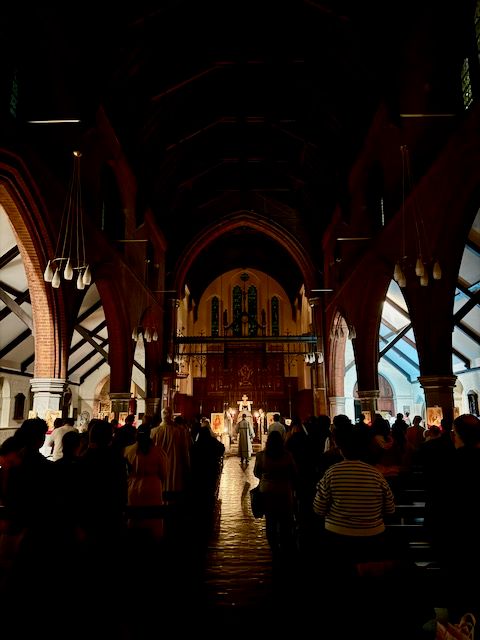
(353, 498)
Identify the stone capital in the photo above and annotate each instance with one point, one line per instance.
(437, 382)
(47, 394)
(367, 395)
(47, 386)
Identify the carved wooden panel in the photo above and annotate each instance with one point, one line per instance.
(249, 370)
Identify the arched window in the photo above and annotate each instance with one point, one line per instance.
(215, 317)
(473, 403)
(252, 311)
(275, 316)
(237, 311)
(19, 407)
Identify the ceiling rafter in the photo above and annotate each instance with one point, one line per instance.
(16, 309)
(403, 356)
(86, 358)
(399, 335)
(467, 362)
(94, 333)
(396, 366)
(467, 331)
(24, 297)
(474, 300)
(8, 256)
(88, 337)
(15, 342)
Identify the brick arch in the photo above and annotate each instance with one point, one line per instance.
(336, 359)
(385, 398)
(25, 208)
(120, 351)
(243, 218)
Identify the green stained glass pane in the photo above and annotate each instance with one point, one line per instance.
(237, 311)
(215, 316)
(252, 311)
(466, 85)
(275, 316)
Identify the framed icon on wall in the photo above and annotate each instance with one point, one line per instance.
(217, 423)
(434, 416)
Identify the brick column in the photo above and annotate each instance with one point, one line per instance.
(368, 401)
(439, 393)
(47, 394)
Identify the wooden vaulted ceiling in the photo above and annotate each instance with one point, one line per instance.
(219, 106)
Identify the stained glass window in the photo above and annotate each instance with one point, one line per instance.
(237, 311)
(252, 311)
(275, 316)
(215, 316)
(466, 85)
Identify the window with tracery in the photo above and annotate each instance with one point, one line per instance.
(237, 311)
(215, 316)
(275, 306)
(252, 311)
(19, 407)
(473, 403)
(466, 85)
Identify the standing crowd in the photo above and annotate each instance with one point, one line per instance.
(111, 496)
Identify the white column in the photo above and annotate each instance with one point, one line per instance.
(47, 394)
(337, 406)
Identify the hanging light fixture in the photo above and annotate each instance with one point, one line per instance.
(70, 250)
(423, 258)
(145, 330)
(314, 357)
(148, 333)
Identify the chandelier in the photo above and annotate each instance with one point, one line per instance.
(145, 328)
(147, 332)
(314, 357)
(70, 249)
(423, 259)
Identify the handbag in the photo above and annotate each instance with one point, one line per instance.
(464, 630)
(445, 630)
(257, 502)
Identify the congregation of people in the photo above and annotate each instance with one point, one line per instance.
(100, 496)
(330, 489)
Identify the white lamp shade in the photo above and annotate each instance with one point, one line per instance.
(87, 276)
(419, 268)
(424, 280)
(135, 334)
(48, 273)
(68, 271)
(402, 282)
(397, 273)
(148, 334)
(155, 336)
(80, 284)
(56, 279)
(437, 271)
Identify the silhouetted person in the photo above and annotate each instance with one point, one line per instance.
(461, 550)
(207, 460)
(126, 435)
(276, 469)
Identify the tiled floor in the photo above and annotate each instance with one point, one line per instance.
(238, 568)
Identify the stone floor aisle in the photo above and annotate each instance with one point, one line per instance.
(238, 566)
